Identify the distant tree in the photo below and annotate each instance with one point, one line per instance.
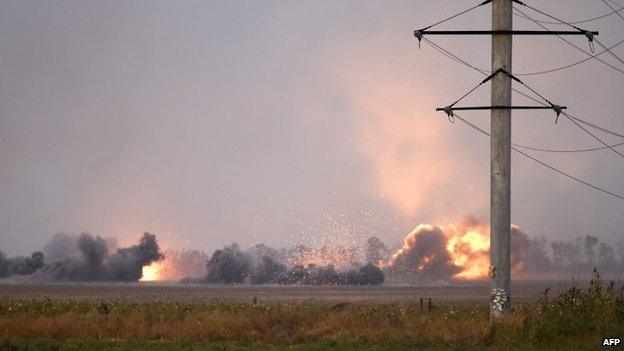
(590, 242)
(267, 271)
(620, 247)
(537, 258)
(376, 250)
(565, 254)
(370, 274)
(606, 258)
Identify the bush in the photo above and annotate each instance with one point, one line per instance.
(597, 311)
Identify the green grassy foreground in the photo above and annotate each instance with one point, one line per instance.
(577, 319)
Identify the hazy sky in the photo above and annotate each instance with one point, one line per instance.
(209, 122)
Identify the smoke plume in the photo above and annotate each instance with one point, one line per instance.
(424, 257)
(84, 258)
(20, 265)
(460, 252)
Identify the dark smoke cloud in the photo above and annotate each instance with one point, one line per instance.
(60, 246)
(84, 258)
(20, 265)
(263, 264)
(423, 258)
(127, 263)
(228, 265)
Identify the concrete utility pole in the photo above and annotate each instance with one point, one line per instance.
(500, 136)
(500, 161)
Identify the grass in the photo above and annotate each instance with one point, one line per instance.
(577, 319)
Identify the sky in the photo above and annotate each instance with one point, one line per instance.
(283, 122)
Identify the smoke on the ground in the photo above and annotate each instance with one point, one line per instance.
(429, 254)
(84, 258)
(432, 254)
(262, 264)
(21, 265)
(423, 257)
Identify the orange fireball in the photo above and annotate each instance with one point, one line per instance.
(151, 272)
(469, 249)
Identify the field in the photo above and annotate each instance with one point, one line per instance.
(171, 317)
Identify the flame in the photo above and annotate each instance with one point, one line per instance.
(425, 262)
(465, 251)
(152, 272)
(469, 249)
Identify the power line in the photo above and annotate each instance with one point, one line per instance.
(565, 151)
(549, 16)
(485, 73)
(457, 14)
(593, 135)
(576, 22)
(501, 107)
(615, 11)
(552, 168)
(596, 126)
(454, 57)
(548, 102)
(614, 2)
(464, 62)
(572, 64)
(599, 43)
(573, 45)
(537, 73)
(609, 51)
(572, 120)
(576, 118)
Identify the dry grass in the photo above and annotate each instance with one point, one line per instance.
(274, 323)
(573, 318)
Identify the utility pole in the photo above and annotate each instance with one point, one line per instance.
(501, 78)
(500, 160)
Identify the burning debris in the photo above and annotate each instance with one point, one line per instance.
(85, 258)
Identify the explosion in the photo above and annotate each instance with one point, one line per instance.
(433, 253)
(176, 265)
(152, 272)
(84, 258)
(469, 248)
(457, 252)
(428, 254)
